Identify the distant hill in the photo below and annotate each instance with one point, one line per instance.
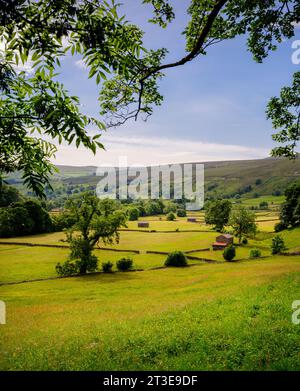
(265, 176)
(222, 178)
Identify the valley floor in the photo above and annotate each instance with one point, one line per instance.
(220, 316)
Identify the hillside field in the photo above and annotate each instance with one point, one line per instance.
(207, 316)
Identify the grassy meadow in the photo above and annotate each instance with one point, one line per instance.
(208, 316)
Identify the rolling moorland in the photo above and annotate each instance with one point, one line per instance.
(247, 178)
(210, 315)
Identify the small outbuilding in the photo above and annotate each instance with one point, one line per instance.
(192, 219)
(143, 224)
(222, 241)
(219, 246)
(225, 238)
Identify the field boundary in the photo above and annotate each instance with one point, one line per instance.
(197, 250)
(138, 270)
(86, 275)
(153, 231)
(62, 246)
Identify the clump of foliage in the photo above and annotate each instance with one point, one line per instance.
(217, 213)
(177, 259)
(263, 205)
(279, 227)
(255, 253)
(64, 220)
(171, 216)
(181, 213)
(124, 264)
(284, 113)
(243, 222)
(67, 268)
(24, 218)
(133, 214)
(278, 245)
(9, 195)
(229, 253)
(95, 220)
(107, 267)
(244, 241)
(290, 211)
(170, 206)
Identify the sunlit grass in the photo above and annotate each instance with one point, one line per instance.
(226, 316)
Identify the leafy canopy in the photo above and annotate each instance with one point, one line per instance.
(243, 222)
(217, 213)
(94, 221)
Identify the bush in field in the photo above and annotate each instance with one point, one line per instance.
(171, 216)
(279, 227)
(68, 268)
(176, 258)
(107, 267)
(169, 207)
(263, 205)
(244, 241)
(229, 253)
(124, 264)
(181, 213)
(133, 214)
(278, 245)
(255, 253)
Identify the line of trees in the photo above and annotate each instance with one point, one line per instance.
(24, 218)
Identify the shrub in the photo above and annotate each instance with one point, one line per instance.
(124, 264)
(171, 216)
(263, 205)
(68, 268)
(278, 245)
(279, 227)
(181, 213)
(176, 258)
(133, 214)
(244, 241)
(107, 267)
(255, 253)
(229, 253)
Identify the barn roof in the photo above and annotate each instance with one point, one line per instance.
(220, 244)
(228, 236)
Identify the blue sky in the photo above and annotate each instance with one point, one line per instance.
(214, 107)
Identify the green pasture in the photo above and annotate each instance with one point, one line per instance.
(220, 316)
(223, 316)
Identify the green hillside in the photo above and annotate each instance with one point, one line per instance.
(240, 178)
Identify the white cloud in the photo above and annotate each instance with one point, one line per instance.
(211, 105)
(155, 150)
(80, 64)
